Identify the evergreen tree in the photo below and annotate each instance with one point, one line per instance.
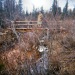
(42, 10)
(9, 6)
(59, 10)
(27, 13)
(74, 12)
(33, 13)
(54, 7)
(70, 13)
(0, 6)
(65, 10)
(1, 15)
(20, 7)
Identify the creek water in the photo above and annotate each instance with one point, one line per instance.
(41, 65)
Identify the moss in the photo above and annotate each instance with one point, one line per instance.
(1, 66)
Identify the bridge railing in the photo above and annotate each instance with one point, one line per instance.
(23, 24)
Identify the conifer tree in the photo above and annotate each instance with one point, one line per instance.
(42, 10)
(20, 7)
(0, 6)
(9, 7)
(1, 15)
(74, 12)
(54, 7)
(65, 10)
(27, 13)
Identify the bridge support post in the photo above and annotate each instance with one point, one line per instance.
(47, 33)
(13, 29)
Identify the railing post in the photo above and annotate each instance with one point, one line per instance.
(12, 25)
(28, 25)
(14, 30)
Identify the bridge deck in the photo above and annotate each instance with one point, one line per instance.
(29, 29)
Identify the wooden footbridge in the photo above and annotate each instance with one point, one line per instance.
(27, 26)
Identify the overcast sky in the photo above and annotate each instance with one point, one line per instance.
(28, 4)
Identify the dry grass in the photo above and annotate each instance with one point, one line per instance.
(62, 54)
(22, 55)
(61, 45)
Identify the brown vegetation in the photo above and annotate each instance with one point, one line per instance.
(62, 54)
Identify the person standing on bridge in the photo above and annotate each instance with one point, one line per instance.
(40, 18)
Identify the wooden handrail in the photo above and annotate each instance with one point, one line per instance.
(26, 24)
(27, 21)
(31, 28)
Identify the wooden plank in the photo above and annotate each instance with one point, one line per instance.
(25, 30)
(26, 21)
(50, 21)
(31, 28)
(26, 24)
(36, 21)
